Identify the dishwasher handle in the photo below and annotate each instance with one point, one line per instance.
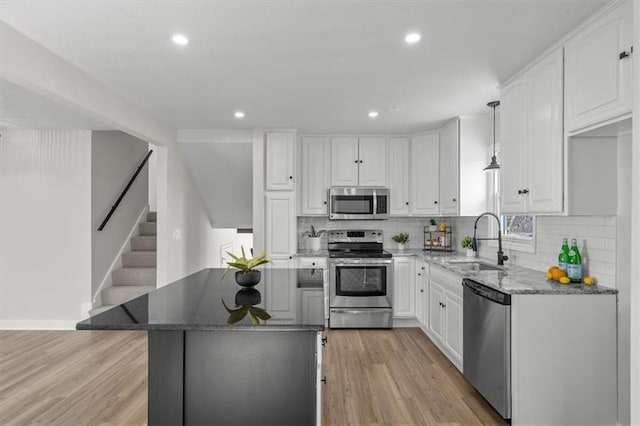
(487, 292)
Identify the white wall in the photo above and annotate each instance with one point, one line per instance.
(45, 227)
(153, 180)
(182, 222)
(114, 158)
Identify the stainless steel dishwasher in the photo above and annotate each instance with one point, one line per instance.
(487, 344)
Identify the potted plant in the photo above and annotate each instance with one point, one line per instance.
(442, 226)
(402, 239)
(467, 244)
(247, 275)
(433, 227)
(314, 238)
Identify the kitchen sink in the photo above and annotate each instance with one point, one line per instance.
(477, 266)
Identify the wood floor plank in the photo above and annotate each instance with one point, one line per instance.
(374, 378)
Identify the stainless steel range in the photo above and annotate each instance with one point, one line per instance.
(360, 280)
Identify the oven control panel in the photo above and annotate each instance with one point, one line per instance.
(356, 236)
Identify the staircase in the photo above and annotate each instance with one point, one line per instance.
(138, 273)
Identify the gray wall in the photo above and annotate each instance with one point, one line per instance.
(114, 158)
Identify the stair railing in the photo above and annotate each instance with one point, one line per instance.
(124, 191)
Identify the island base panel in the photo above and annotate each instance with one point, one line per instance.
(232, 378)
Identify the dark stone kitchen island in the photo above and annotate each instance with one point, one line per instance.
(203, 370)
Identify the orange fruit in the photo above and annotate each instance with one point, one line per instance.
(556, 274)
(564, 280)
(552, 268)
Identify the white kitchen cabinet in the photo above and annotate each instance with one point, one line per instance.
(424, 169)
(372, 165)
(315, 175)
(281, 225)
(449, 168)
(320, 265)
(358, 161)
(532, 145)
(399, 155)
(436, 318)
(445, 313)
(312, 302)
(280, 160)
(453, 323)
(422, 292)
(280, 294)
(598, 69)
(563, 359)
(404, 287)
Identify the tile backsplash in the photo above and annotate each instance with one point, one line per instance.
(596, 237)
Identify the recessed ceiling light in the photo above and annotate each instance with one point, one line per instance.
(180, 39)
(239, 114)
(412, 38)
(373, 114)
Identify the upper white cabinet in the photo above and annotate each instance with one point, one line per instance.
(280, 160)
(449, 168)
(281, 225)
(315, 169)
(531, 174)
(358, 161)
(399, 155)
(424, 169)
(598, 74)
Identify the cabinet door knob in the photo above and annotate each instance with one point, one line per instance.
(324, 341)
(356, 161)
(325, 203)
(313, 263)
(525, 191)
(419, 274)
(624, 54)
(360, 161)
(454, 200)
(290, 177)
(435, 202)
(324, 380)
(290, 257)
(407, 203)
(520, 192)
(421, 291)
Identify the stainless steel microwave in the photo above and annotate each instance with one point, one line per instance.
(358, 203)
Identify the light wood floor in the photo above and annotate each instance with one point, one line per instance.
(374, 377)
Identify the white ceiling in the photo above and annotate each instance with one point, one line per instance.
(318, 66)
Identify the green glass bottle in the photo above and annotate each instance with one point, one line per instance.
(563, 258)
(574, 268)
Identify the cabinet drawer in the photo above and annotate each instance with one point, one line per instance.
(311, 262)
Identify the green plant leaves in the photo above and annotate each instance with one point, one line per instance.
(244, 264)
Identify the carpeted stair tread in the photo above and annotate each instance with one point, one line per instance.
(147, 228)
(134, 276)
(137, 259)
(118, 294)
(152, 217)
(143, 243)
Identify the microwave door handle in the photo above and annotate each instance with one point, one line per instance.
(375, 203)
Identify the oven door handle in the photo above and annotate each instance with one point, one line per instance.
(360, 261)
(359, 311)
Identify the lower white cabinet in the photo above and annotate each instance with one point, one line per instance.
(404, 287)
(445, 313)
(280, 294)
(311, 305)
(319, 265)
(422, 292)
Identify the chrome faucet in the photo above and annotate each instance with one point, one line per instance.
(501, 255)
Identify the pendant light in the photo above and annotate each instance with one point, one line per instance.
(494, 162)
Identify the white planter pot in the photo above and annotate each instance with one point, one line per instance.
(471, 253)
(400, 246)
(314, 243)
(433, 228)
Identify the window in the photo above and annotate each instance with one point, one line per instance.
(518, 231)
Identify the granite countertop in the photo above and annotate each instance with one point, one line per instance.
(310, 253)
(510, 280)
(195, 303)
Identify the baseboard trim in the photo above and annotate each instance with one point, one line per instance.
(405, 322)
(37, 325)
